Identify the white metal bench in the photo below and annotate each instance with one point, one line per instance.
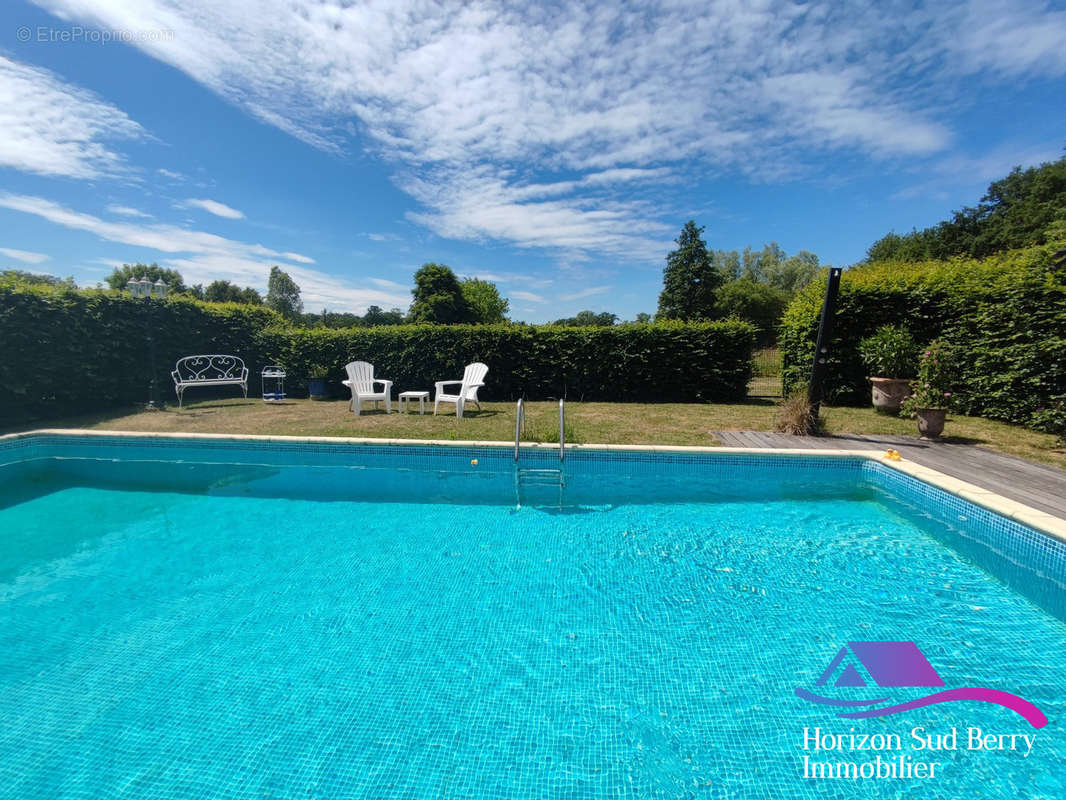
(209, 371)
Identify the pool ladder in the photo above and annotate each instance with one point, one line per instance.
(538, 476)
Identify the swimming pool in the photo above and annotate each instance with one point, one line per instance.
(216, 617)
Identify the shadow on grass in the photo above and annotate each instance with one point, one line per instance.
(80, 421)
(756, 402)
(216, 404)
(483, 414)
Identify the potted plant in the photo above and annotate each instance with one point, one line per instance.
(931, 393)
(890, 355)
(316, 383)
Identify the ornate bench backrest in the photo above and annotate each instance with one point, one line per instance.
(192, 369)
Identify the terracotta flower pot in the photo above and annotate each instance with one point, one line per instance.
(888, 393)
(931, 422)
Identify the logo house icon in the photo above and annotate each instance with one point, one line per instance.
(893, 665)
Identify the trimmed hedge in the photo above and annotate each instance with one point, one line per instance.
(1003, 318)
(67, 351)
(663, 362)
(71, 351)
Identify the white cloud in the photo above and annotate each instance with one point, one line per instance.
(592, 291)
(114, 263)
(474, 204)
(530, 297)
(51, 127)
(127, 211)
(215, 207)
(1012, 37)
(506, 278)
(169, 173)
(382, 283)
(830, 109)
(596, 103)
(977, 171)
(25, 256)
(203, 257)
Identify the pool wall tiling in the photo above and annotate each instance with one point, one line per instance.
(188, 617)
(1031, 558)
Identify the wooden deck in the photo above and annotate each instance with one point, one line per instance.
(1035, 485)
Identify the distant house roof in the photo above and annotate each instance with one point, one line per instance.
(888, 663)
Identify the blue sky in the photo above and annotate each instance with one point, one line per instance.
(556, 149)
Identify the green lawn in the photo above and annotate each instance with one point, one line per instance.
(601, 423)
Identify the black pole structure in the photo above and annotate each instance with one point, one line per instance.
(816, 387)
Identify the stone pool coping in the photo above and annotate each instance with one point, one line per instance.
(1048, 524)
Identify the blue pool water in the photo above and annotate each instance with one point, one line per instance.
(249, 622)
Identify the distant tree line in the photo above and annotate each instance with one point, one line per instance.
(439, 296)
(755, 285)
(35, 279)
(215, 292)
(1017, 211)
(699, 284)
(590, 319)
(375, 315)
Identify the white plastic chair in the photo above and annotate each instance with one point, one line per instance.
(361, 382)
(473, 379)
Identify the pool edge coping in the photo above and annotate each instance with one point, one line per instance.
(1048, 524)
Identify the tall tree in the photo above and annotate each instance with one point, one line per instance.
(758, 266)
(127, 272)
(785, 272)
(438, 297)
(1017, 211)
(375, 315)
(483, 299)
(728, 263)
(690, 278)
(226, 292)
(761, 304)
(283, 295)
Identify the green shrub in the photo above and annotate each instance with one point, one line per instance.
(890, 352)
(69, 351)
(932, 387)
(1003, 318)
(758, 303)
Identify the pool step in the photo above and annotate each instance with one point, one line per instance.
(528, 476)
(531, 479)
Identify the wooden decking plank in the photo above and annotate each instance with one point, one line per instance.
(1035, 485)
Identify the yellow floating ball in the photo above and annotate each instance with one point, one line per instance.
(473, 462)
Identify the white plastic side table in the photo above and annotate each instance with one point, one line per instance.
(421, 397)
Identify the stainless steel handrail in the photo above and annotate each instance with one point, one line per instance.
(562, 429)
(519, 423)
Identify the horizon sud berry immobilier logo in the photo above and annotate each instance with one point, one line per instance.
(858, 667)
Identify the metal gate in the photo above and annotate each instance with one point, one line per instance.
(766, 373)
